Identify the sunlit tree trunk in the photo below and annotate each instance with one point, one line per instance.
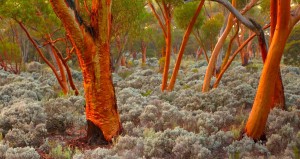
(216, 51)
(93, 52)
(168, 41)
(229, 49)
(183, 45)
(278, 98)
(258, 116)
(166, 28)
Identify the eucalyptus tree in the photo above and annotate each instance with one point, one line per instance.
(10, 51)
(187, 33)
(89, 27)
(286, 19)
(128, 18)
(41, 25)
(182, 16)
(265, 99)
(163, 11)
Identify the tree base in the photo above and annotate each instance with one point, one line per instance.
(95, 135)
(263, 138)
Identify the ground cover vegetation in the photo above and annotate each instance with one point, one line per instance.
(149, 79)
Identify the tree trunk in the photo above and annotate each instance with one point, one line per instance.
(168, 53)
(144, 51)
(183, 45)
(123, 61)
(263, 100)
(215, 53)
(93, 51)
(229, 49)
(101, 106)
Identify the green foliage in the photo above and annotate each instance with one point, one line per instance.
(125, 74)
(254, 67)
(37, 13)
(171, 2)
(186, 86)
(195, 70)
(265, 6)
(184, 13)
(147, 93)
(149, 133)
(211, 27)
(10, 51)
(130, 64)
(59, 152)
(292, 48)
(127, 16)
(234, 155)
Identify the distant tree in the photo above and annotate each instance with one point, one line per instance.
(163, 11)
(210, 30)
(39, 16)
(10, 53)
(128, 17)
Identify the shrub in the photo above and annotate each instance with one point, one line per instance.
(23, 123)
(59, 152)
(21, 153)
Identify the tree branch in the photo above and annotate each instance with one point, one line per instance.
(158, 18)
(71, 25)
(238, 15)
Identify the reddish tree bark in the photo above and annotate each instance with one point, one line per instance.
(92, 46)
(183, 45)
(144, 51)
(166, 28)
(265, 93)
(215, 53)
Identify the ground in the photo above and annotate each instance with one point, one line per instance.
(36, 120)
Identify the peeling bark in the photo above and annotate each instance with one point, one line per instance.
(93, 51)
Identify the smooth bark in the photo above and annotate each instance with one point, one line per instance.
(258, 116)
(216, 51)
(183, 45)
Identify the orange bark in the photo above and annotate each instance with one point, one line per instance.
(60, 67)
(258, 116)
(166, 28)
(273, 13)
(244, 54)
(233, 56)
(230, 61)
(61, 83)
(225, 60)
(93, 52)
(144, 51)
(183, 45)
(278, 99)
(168, 40)
(199, 40)
(215, 53)
(123, 61)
